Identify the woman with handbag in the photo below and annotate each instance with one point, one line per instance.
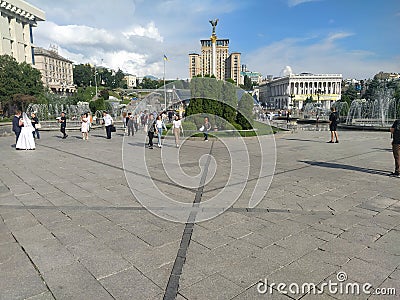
(36, 125)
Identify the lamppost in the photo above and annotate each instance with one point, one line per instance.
(318, 94)
(292, 97)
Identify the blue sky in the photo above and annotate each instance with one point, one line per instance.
(357, 38)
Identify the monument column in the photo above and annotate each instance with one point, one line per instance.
(214, 48)
(214, 55)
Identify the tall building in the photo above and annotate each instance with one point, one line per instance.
(57, 71)
(17, 18)
(293, 90)
(215, 59)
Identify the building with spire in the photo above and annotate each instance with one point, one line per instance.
(215, 59)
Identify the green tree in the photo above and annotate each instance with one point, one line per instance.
(248, 84)
(230, 100)
(118, 79)
(230, 80)
(19, 84)
(83, 75)
(349, 94)
(245, 111)
(148, 83)
(105, 94)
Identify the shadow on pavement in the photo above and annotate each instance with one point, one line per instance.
(345, 167)
(303, 140)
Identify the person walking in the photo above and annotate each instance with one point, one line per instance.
(160, 125)
(126, 120)
(136, 122)
(36, 125)
(395, 130)
(108, 122)
(207, 128)
(177, 128)
(63, 121)
(90, 120)
(129, 124)
(333, 121)
(17, 124)
(85, 127)
(151, 130)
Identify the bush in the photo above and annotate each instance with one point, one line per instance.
(5, 119)
(187, 125)
(237, 126)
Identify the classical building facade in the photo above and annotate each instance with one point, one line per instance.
(130, 80)
(17, 18)
(57, 71)
(293, 90)
(215, 60)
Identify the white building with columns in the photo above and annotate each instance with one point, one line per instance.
(17, 18)
(293, 90)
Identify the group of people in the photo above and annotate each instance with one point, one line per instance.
(156, 126)
(26, 130)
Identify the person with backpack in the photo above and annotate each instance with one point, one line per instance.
(333, 121)
(395, 130)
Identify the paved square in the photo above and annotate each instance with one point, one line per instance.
(70, 227)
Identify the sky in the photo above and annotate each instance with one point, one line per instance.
(356, 38)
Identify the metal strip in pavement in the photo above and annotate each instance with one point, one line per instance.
(173, 283)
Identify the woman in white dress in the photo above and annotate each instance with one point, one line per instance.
(85, 127)
(25, 139)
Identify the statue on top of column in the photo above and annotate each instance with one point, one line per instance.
(214, 24)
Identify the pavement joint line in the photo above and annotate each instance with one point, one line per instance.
(133, 208)
(33, 264)
(172, 288)
(119, 168)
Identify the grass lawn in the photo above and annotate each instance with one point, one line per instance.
(259, 129)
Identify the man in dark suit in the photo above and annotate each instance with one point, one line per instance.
(17, 124)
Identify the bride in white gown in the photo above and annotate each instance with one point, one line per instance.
(25, 139)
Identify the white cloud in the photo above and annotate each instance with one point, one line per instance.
(337, 36)
(320, 57)
(151, 31)
(74, 35)
(293, 3)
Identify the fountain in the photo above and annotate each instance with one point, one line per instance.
(48, 112)
(51, 111)
(376, 113)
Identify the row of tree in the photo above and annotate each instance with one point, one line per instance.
(212, 97)
(85, 75)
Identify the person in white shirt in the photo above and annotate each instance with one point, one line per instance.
(160, 125)
(85, 127)
(107, 121)
(177, 128)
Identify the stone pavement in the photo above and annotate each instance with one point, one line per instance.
(71, 228)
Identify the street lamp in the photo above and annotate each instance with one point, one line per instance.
(318, 94)
(293, 96)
